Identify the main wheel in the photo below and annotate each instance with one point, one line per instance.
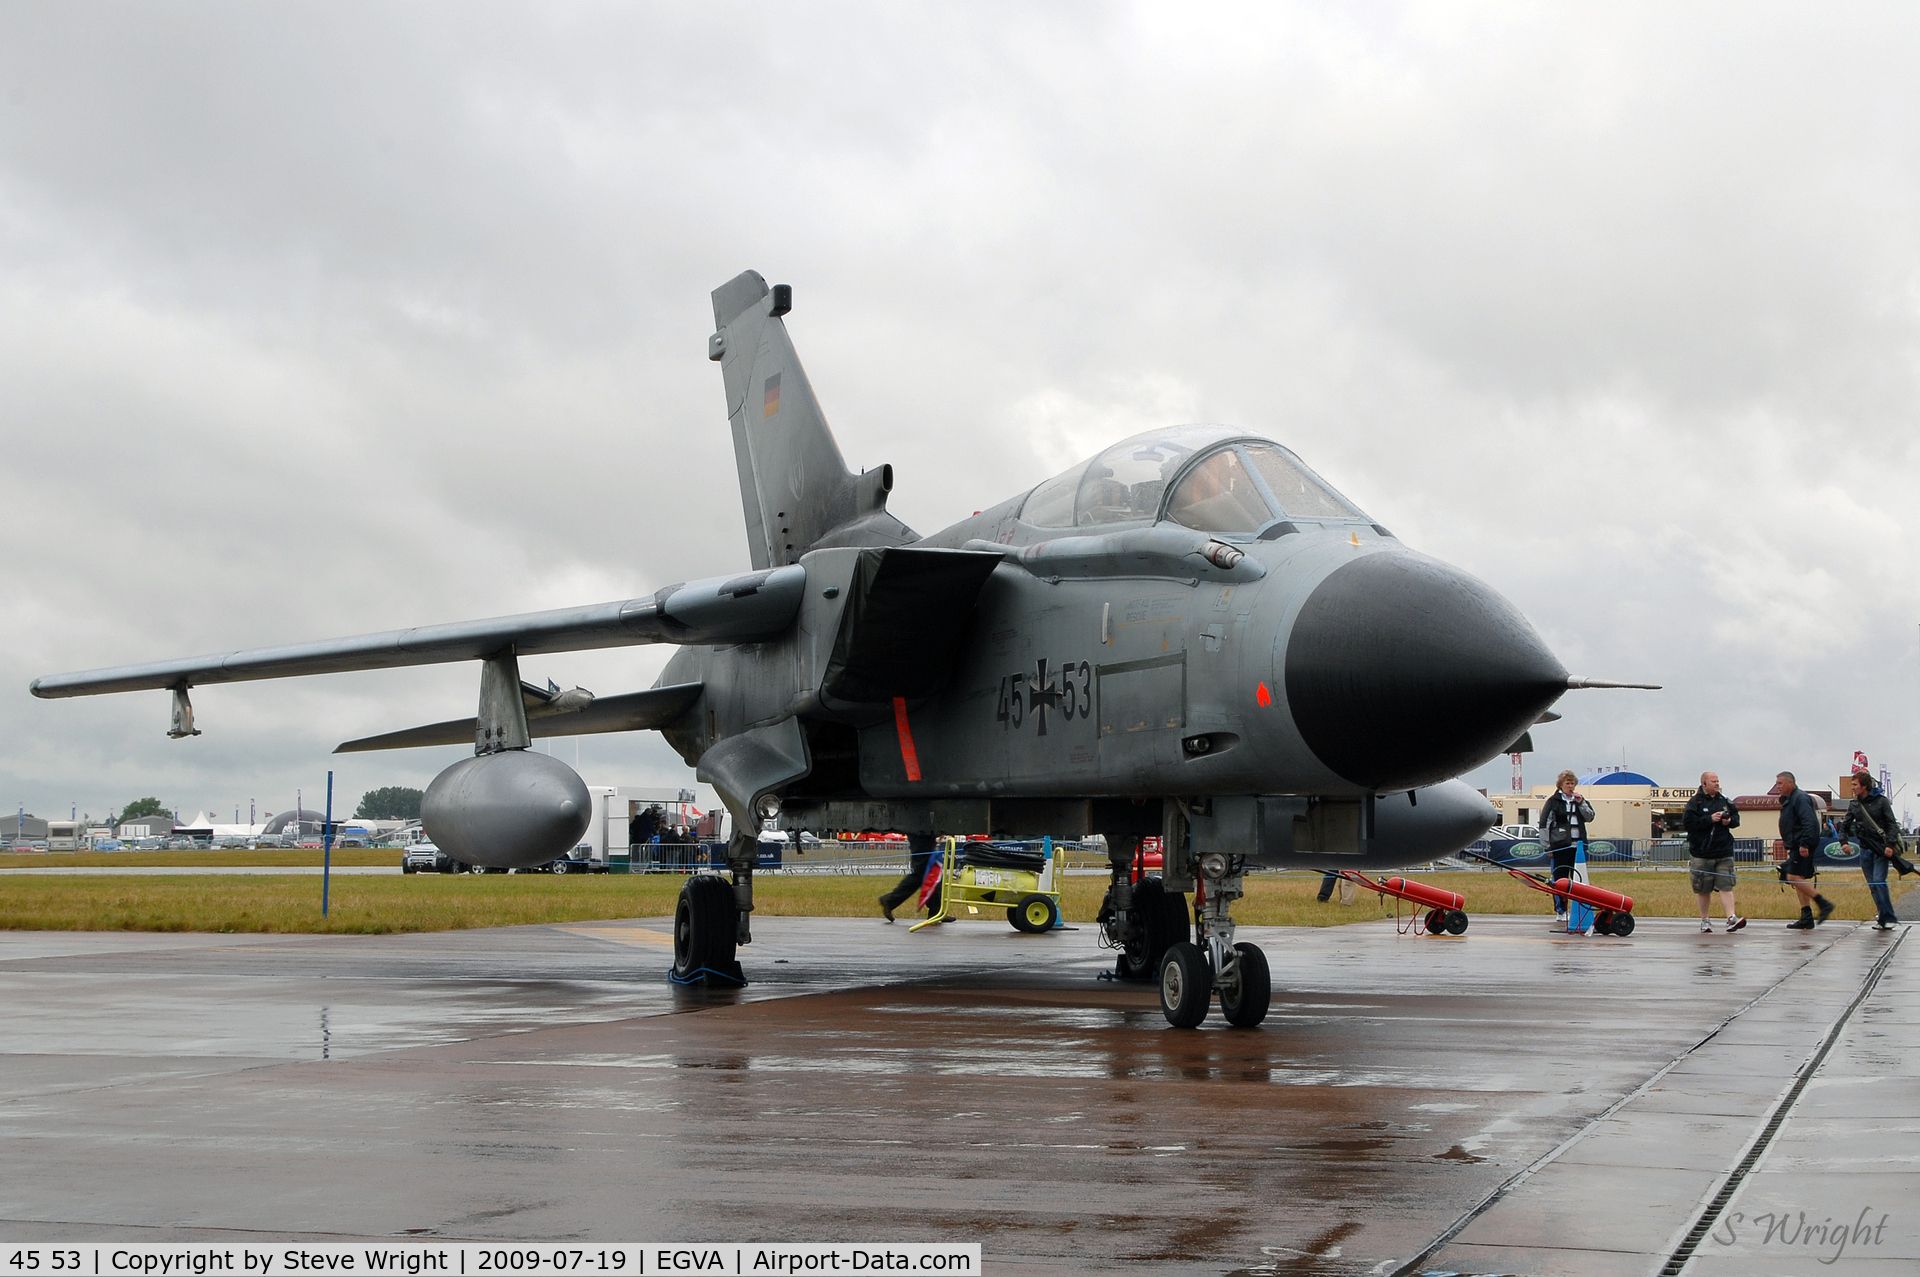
(1245, 1004)
(1033, 914)
(1166, 923)
(705, 924)
(1622, 924)
(1457, 921)
(1186, 985)
(476, 869)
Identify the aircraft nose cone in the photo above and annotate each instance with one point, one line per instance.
(1402, 671)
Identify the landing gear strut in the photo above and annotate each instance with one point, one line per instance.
(1190, 974)
(1142, 919)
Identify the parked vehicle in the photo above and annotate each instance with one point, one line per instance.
(579, 861)
(425, 858)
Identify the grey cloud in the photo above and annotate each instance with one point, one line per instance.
(321, 318)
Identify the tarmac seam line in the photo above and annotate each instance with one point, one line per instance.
(1552, 1155)
(1683, 1253)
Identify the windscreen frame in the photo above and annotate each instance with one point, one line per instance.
(1236, 443)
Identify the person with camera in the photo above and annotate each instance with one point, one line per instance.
(1710, 819)
(1563, 828)
(1871, 823)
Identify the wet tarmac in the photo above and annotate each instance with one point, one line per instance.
(1509, 1101)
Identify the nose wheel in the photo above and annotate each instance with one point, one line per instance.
(1245, 1000)
(1192, 974)
(1186, 985)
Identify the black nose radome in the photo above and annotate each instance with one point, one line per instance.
(1402, 671)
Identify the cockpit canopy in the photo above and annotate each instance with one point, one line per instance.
(1221, 481)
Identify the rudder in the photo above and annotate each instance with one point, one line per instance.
(794, 486)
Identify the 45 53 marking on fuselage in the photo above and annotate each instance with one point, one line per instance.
(1067, 690)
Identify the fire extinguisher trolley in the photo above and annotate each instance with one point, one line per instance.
(1612, 912)
(1446, 910)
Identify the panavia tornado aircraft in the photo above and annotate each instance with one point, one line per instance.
(1190, 636)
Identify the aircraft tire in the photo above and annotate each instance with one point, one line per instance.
(1165, 921)
(1246, 1005)
(476, 869)
(1186, 985)
(1457, 921)
(705, 925)
(1033, 914)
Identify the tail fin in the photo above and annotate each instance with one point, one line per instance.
(795, 487)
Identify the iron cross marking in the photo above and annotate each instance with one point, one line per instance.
(1043, 694)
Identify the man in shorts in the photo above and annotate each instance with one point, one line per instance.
(1800, 834)
(1710, 819)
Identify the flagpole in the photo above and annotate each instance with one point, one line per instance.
(326, 848)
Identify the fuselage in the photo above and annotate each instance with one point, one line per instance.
(1327, 660)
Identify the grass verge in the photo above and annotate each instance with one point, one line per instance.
(268, 856)
(434, 902)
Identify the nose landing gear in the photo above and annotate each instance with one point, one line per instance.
(1191, 974)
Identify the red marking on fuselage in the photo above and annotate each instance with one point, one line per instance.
(908, 754)
(1263, 695)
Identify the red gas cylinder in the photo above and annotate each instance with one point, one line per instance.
(1426, 895)
(1598, 897)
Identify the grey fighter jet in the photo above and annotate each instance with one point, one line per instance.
(1190, 636)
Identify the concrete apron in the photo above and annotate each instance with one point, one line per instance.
(1782, 1143)
(965, 1083)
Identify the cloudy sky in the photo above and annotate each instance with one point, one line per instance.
(317, 319)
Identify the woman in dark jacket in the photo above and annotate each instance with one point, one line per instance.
(1563, 826)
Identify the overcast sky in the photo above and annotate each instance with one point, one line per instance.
(317, 319)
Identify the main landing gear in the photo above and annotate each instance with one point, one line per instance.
(711, 918)
(1191, 974)
(1139, 918)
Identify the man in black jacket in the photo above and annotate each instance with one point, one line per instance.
(1563, 827)
(1870, 822)
(1800, 833)
(1710, 819)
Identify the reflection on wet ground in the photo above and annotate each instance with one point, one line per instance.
(967, 1082)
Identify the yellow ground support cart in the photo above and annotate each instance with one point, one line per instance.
(1031, 896)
